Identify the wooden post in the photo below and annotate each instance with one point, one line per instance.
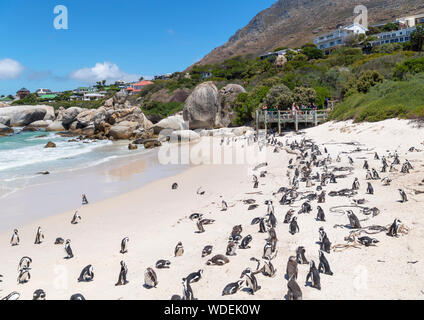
(279, 122)
(296, 121)
(316, 118)
(257, 122)
(265, 121)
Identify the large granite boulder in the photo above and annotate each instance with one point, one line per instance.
(5, 120)
(86, 117)
(21, 116)
(55, 126)
(201, 107)
(70, 116)
(226, 113)
(5, 130)
(38, 125)
(120, 97)
(123, 130)
(173, 122)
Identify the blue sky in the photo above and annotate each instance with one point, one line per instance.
(111, 39)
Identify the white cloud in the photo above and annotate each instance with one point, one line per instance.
(102, 71)
(10, 69)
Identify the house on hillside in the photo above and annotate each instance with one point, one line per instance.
(277, 53)
(93, 96)
(411, 21)
(136, 87)
(42, 92)
(397, 36)
(335, 38)
(22, 93)
(163, 76)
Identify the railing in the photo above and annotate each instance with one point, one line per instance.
(283, 117)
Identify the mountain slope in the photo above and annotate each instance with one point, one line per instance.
(295, 22)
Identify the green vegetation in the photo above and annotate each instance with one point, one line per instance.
(162, 109)
(390, 99)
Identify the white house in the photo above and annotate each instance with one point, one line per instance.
(397, 36)
(93, 96)
(337, 37)
(411, 21)
(43, 92)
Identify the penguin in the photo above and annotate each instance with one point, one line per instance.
(294, 228)
(245, 242)
(84, 199)
(386, 181)
(224, 206)
(207, 251)
(313, 274)
(175, 186)
(24, 275)
(187, 291)
(300, 255)
(350, 160)
(262, 227)
(232, 288)
(163, 264)
(394, 228)
(25, 263)
(59, 241)
(267, 251)
(251, 281)
(268, 270)
(325, 244)
(124, 245)
(150, 278)
(355, 185)
(376, 157)
(87, 274)
(206, 222)
(122, 279)
(194, 277)
(39, 295)
(368, 175)
(272, 220)
(367, 241)
(306, 208)
(353, 220)
(365, 166)
(195, 216)
(218, 260)
(231, 249)
(39, 237)
(252, 207)
(321, 197)
(288, 216)
(12, 296)
(200, 191)
(77, 296)
(324, 266)
(76, 218)
(237, 230)
(68, 250)
(291, 269)
(199, 225)
(272, 239)
(370, 189)
(255, 182)
(375, 175)
(14, 241)
(179, 250)
(403, 196)
(294, 292)
(320, 214)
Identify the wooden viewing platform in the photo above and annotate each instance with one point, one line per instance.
(285, 117)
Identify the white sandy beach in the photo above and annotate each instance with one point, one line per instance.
(155, 218)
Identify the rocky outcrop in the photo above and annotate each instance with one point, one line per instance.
(5, 130)
(201, 107)
(226, 113)
(173, 122)
(55, 126)
(5, 120)
(69, 116)
(21, 116)
(150, 144)
(50, 145)
(123, 130)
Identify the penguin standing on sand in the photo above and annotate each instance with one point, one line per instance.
(25, 263)
(300, 255)
(245, 242)
(179, 250)
(87, 274)
(199, 225)
(325, 244)
(175, 186)
(24, 275)
(370, 189)
(187, 291)
(313, 274)
(366, 166)
(124, 245)
(39, 237)
(231, 249)
(14, 241)
(320, 214)
(224, 206)
(68, 250)
(251, 281)
(122, 279)
(76, 218)
(355, 185)
(150, 278)
(294, 292)
(403, 196)
(84, 199)
(288, 216)
(294, 228)
(292, 269)
(324, 266)
(255, 182)
(394, 228)
(353, 220)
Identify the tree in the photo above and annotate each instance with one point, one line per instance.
(103, 83)
(304, 96)
(279, 97)
(312, 52)
(417, 38)
(389, 27)
(141, 79)
(369, 79)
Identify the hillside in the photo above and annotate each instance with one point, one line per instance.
(292, 23)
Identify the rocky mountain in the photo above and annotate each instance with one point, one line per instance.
(295, 22)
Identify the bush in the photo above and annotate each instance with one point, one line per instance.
(369, 79)
(304, 96)
(279, 97)
(162, 109)
(409, 67)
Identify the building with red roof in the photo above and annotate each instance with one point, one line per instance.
(136, 87)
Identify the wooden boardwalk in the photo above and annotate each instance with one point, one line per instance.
(281, 118)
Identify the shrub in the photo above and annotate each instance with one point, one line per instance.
(305, 96)
(279, 96)
(369, 79)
